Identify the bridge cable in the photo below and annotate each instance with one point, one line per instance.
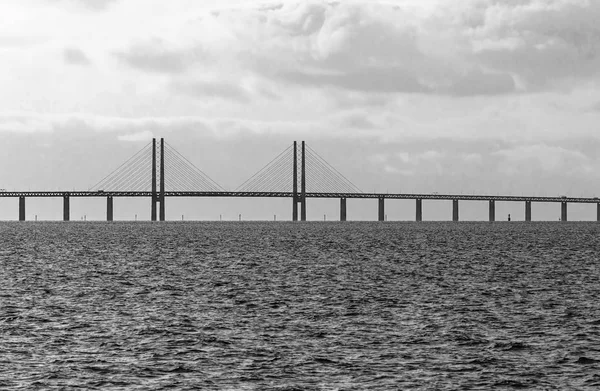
(185, 177)
(195, 170)
(332, 173)
(260, 172)
(270, 177)
(119, 170)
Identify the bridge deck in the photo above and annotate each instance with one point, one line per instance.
(408, 196)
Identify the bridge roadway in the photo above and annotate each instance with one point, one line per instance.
(407, 196)
(300, 198)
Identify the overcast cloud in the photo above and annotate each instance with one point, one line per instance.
(426, 95)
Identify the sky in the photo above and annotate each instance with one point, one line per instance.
(401, 96)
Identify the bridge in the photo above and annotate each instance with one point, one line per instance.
(158, 171)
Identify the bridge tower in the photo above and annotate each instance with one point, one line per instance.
(295, 184)
(161, 195)
(158, 197)
(153, 188)
(299, 198)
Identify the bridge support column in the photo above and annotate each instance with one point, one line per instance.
(527, 210)
(563, 211)
(109, 208)
(342, 209)
(454, 210)
(295, 209)
(598, 211)
(21, 208)
(419, 216)
(303, 208)
(381, 209)
(66, 208)
(492, 208)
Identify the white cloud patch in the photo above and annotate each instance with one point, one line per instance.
(477, 47)
(76, 56)
(24, 124)
(139, 136)
(545, 158)
(96, 5)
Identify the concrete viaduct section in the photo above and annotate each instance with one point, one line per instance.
(157, 195)
(67, 208)
(299, 198)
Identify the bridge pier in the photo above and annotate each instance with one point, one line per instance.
(109, 208)
(419, 211)
(294, 209)
(21, 208)
(342, 209)
(302, 208)
(527, 210)
(454, 210)
(563, 211)
(381, 209)
(66, 208)
(598, 211)
(492, 208)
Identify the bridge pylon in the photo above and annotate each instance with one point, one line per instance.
(158, 197)
(299, 197)
(161, 194)
(153, 185)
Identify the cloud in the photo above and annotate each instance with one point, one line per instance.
(349, 46)
(544, 158)
(96, 5)
(154, 56)
(75, 56)
(214, 89)
(541, 42)
(139, 136)
(24, 124)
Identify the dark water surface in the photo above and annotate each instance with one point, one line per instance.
(306, 306)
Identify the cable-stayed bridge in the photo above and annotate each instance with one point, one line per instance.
(158, 171)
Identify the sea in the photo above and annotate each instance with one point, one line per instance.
(299, 306)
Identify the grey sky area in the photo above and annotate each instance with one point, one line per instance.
(461, 96)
